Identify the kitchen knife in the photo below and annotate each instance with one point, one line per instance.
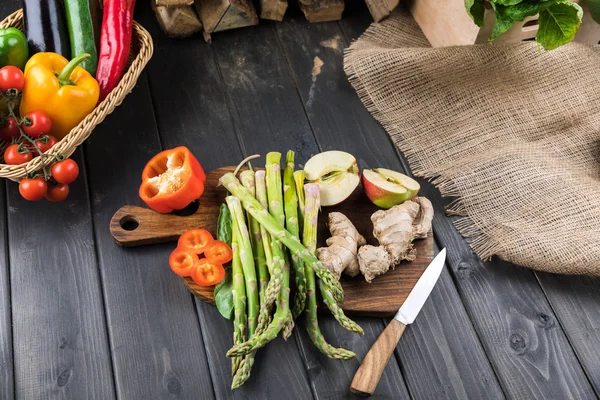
(367, 377)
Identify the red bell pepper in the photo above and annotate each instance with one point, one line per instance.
(172, 180)
(115, 44)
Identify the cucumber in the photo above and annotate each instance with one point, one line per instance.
(81, 32)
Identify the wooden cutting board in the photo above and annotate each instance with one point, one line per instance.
(135, 226)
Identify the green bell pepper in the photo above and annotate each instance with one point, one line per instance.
(13, 48)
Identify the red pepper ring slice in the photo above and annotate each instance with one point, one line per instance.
(183, 262)
(219, 252)
(208, 273)
(171, 180)
(195, 241)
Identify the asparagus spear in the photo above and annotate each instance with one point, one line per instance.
(260, 260)
(248, 180)
(337, 311)
(282, 315)
(309, 236)
(245, 253)
(274, 285)
(239, 299)
(276, 229)
(291, 215)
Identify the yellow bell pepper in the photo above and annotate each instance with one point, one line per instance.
(62, 89)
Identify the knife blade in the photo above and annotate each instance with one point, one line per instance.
(368, 374)
(420, 293)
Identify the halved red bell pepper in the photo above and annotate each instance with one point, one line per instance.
(172, 180)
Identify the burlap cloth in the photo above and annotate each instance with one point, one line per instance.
(513, 134)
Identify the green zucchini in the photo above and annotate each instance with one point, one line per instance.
(81, 32)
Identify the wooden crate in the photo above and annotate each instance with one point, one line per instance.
(446, 23)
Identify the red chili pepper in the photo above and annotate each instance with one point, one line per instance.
(115, 43)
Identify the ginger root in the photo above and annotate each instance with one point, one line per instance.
(422, 222)
(395, 229)
(340, 255)
(373, 261)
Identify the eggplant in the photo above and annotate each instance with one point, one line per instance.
(45, 27)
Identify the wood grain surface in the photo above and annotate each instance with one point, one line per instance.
(59, 330)
(6, 354)
(382, 297)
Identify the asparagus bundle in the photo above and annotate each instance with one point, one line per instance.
(265, 238)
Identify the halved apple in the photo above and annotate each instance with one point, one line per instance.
(336, 173)
(387, 188)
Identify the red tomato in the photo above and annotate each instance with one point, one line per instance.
(183, 262)
(208, 273)
(33, 189)
(219, 252)
(39, 123)
(57, 193)
(44, 147)
(65, 171)
(13, 157)
(195, 240)
(11, 78)
(9, 130)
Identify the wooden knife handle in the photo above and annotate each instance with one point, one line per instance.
(367, 377)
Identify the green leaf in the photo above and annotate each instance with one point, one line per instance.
(224, 295)
(476, 10)
(594, 6)
(503, 21)
(506, 2)
(558, 24)
(223, 290)
(523, 10)
(224, 225)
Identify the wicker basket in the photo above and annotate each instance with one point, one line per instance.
(141, 51)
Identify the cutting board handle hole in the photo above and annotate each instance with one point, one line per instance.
(188, 210)
(129, 223)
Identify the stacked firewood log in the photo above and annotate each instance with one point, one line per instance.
(182, 18)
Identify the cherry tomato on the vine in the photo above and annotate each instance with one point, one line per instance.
(57, 193)
(9, 129)
(44, 147)
(11, 78)
(36, 123)
(65, 171)
(33, 189)
(13, 157)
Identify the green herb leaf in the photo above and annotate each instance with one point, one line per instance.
(223, 290)
(503, 21)
(224, 225)
(476, 10)
(558, 24)
(506, 2)
(224, 295)
(594, 6)
(525, 9)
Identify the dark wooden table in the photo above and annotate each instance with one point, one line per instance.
(81, 318)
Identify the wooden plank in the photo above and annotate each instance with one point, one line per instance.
(157, 347)
(202, 122)
(340, 121)
(6, 345)
(269, 116)
(322, 10)
(59, 329)
(576, 302)
(273, 9)
(527, 348)
(381, 9)
(7, 389)
(177, 22)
